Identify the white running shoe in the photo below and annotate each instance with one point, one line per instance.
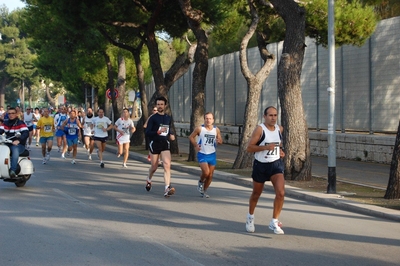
(124, 165)
(250, 224)
(90, 157)
(276, 227)
(73, 162)
(200, 187)
(47, 156)
(62, 155)
(88, 152)
(44, 161)
(205, 195)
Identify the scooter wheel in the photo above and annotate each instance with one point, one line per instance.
(20, 184)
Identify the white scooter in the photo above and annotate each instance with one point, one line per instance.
(25, 166)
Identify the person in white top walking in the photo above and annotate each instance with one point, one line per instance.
(101, 125)
(88, 132)
(36, 132)
(208, 136)
(124, 127)
(266, 143)
(29, 118)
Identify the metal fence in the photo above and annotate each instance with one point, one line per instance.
(367, 85)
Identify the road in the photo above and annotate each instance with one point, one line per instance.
(84, 215)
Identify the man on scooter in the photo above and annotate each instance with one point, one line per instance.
(10, 127)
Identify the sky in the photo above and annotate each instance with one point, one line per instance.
(12, 4)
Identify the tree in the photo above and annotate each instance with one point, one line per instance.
(385, 8)
(227, 35)
(354, 24)
(17, 57)
(195, 18)
(68, 35)
(393, 187)
(254, 86)
(295, 137)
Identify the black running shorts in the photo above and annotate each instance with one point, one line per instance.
(156, 147)
(262, 172)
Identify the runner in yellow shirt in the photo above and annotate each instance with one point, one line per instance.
(47, 129)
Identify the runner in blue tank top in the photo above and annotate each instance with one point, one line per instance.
(208, 136)
(71, 128)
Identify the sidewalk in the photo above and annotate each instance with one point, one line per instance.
(362, 173)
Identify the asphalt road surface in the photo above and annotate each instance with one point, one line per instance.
(84, 215)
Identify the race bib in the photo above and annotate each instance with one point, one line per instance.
(71, 131)
(47, 128)
(273, 154)
(164, 129)
(210, 139)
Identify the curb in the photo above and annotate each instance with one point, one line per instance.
(332, 200)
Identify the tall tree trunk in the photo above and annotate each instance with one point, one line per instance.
(3, 85)
(158, 75)
(50, 99)
(254, 87)
(393, 187)
(110, 85)
(138, 137)
(21, 95)
(29, 95)
(244, 159)
(295, 137)
(194, 18)
(121, 84)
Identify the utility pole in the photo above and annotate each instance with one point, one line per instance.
(331, 92)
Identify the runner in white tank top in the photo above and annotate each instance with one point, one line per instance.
(208, 136)
(207, 140)
(266, 143)
(269, 137)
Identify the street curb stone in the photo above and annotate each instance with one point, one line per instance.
(332, 200)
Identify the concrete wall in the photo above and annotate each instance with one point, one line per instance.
(367, 85)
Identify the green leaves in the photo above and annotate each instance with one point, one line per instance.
(354, 22)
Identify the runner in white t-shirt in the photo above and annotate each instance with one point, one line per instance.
(124, 127)
(101, 125)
